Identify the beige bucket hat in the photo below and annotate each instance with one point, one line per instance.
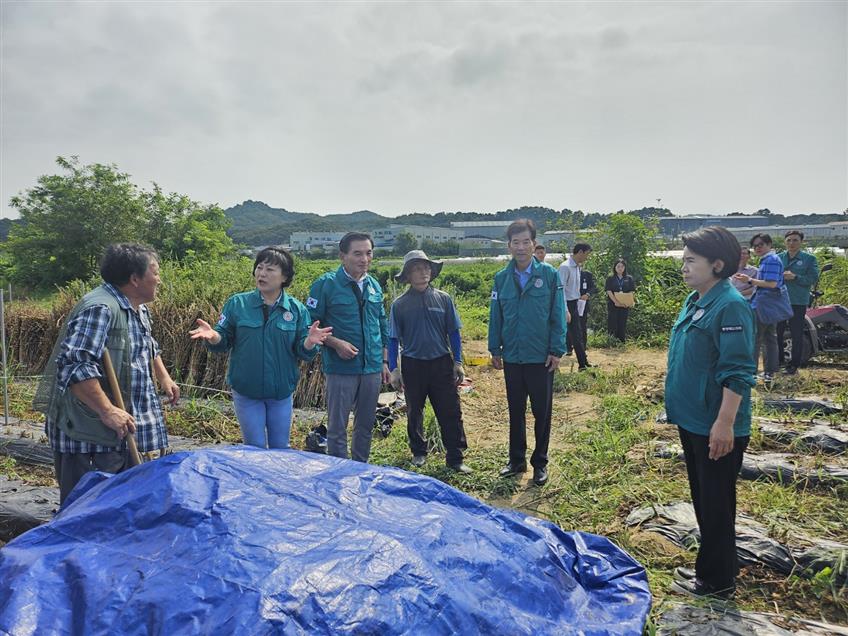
(417, 255)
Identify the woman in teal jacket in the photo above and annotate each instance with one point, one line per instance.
(266, 332)
(708, 396)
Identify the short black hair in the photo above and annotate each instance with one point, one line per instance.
(765, 238)
(539, 246)
(121, 260)
(350, 237)
(621, 260)
(581, 247)
(789, 233)
(521, 225)
(280, 257)
(715, 243)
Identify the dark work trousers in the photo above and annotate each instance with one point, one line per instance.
(574, 335)
(796, 329)
(70, 467)
(713, 487)
(433, 379)
(617, 321)
(584, 325)
(535, 381)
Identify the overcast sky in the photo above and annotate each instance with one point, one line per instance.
(713, 107)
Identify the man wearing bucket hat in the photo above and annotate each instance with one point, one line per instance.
(424, 324)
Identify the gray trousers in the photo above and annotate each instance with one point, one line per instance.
(767, 344)
(345, 393)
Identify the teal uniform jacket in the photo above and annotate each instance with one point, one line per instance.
(527, 326)
(805, 266)
(364, 325)
(265, 353)
(711, 347)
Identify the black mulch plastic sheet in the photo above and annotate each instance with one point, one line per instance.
(677, 523)
(801, 404)
(819, 435)
(725, 620)
(778, 467)
(23, 507)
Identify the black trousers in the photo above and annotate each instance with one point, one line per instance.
(70, 467)
(537, 383)
(617, 321)
(574, 335)
(433, 379)
(584, 325)
(796, 329)
(713, 487)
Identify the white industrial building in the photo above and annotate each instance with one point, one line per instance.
(308, 241)
(486, 229)
(384, 237)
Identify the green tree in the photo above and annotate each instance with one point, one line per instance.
(68, 219)
(405, 242)
(179, 228)
(622, 236)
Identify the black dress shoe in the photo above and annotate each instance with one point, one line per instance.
(460, 468)
(699, 589)
(511, 470)
(684, 574)
(540, 476)
(790, 371)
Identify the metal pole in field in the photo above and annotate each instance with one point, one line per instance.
(3, 347)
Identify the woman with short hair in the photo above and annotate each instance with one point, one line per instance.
(267, 332)
(708, 396)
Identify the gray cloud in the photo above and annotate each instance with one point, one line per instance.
(423, 107)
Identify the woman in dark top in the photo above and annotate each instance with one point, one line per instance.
(617, 313)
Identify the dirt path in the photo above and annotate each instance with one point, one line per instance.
(485, 410)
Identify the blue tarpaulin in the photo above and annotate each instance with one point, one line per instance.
(247, 541)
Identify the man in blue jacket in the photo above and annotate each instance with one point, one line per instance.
(527, 326)
(355, 357)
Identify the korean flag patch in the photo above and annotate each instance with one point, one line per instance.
(311, 302)
(494, 294)
(222, 319)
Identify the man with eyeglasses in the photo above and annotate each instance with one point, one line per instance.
(770, 276)
(801, 271)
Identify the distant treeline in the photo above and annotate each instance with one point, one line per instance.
(257, 223)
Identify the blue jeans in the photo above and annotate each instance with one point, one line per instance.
(264, 423)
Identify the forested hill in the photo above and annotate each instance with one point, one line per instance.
(255, 222)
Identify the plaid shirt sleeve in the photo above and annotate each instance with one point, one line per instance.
(771, 269)
(83, 347)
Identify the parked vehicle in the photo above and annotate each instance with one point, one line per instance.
(825, 330)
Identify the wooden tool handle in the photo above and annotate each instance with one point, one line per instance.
(119, 402)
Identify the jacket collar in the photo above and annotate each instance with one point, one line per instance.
(343, 279)
(534, 266)
(123, 301)
(719, 289)
(255, 300)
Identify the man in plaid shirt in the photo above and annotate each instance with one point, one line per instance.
(131, 277)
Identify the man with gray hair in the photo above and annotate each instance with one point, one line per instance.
(86, 429)
(355, 357)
